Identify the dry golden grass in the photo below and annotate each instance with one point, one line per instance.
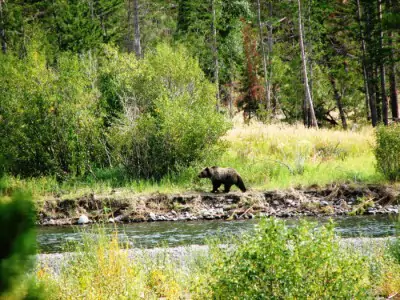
(280, 155)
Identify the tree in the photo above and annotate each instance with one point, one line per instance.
(381, 60)
(137, 47)
(215, 52)
(392, 68)
(2, 29)
(264, 59)
(310, 106)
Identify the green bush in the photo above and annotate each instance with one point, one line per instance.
(170, 119)
(18, 245)
(280, 262)
(387, 151)
(50, 117)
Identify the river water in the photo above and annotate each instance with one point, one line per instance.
(149, 235)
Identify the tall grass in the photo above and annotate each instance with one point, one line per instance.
(278, 156)
(267, 157)
(103, 268)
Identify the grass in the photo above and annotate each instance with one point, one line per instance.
(103, 269)
(267, 157)
(273, 261)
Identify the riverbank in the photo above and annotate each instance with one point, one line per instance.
(184, 256)
(119, 207)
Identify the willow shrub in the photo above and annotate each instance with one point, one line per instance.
(281, 262)
(387, 151)
(170, 120)
(50, 117)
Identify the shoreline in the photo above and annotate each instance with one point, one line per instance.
(183, 256)
(331, 200)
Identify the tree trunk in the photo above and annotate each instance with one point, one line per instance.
(231, 94)
(363, 62)
(136, 44)
(382, 68)
(310, 51)
(371, 70)
(313, 119)
(215, 53)
(392, 75)
(377, 93)
(264, 60)
(2, 29)
(339, 104)
(270, 44)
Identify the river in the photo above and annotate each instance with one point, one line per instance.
(171, 234)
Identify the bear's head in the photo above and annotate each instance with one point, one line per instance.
(205, 173)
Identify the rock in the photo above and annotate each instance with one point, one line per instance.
(393, 210)
(49, 222)
(119, 218)
(111, 220)
(324, 203)
(289, 202)
(276, 203)
(219, 211)
(152, 217)
(83, 219)
(173, 213)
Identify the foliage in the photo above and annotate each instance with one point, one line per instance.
(50, 118)
(384, 269)
(18, 244)
(104, 269)
(177, 124)
(387, 150)
(280, 262)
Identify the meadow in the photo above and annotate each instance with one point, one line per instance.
(267, 157)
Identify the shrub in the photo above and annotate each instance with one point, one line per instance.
(280, 262)
(387, 151)
(50, 118)
(18, 245)
(170, 119)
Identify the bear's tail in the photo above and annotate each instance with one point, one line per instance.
(240, 184)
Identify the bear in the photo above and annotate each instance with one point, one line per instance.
(225, 176)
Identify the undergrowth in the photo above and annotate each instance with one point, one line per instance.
(274, 261)
(267, 157)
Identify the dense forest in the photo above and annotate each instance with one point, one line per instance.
(152, 84)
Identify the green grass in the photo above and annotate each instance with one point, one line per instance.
(267, 157)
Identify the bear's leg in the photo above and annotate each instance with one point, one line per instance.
(216, 185)
(227, 187)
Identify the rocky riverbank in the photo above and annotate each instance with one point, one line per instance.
(119, 207)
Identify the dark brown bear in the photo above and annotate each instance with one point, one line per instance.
(225, 176)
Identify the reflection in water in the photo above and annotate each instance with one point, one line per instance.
(148, 235)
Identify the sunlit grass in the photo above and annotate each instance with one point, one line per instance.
(267, 157)
(103, 268)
